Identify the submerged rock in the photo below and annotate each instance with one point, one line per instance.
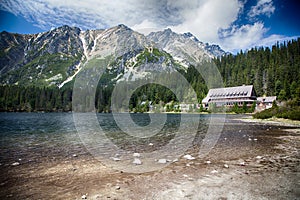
(162, 161)
(136, 155)
(188, 165)
(189, 157)
(115, 159)
(137, 161)
(15, 164)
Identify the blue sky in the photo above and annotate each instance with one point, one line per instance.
(233, 24)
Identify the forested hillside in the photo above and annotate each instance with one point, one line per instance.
(274, 71)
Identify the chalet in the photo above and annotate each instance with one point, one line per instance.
(265, 102)
(230, 96)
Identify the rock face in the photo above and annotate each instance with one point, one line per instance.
(56, 56)
(46, 58)
(185, 47)
(12, 50)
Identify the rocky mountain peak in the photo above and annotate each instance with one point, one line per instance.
(124, 27)
(67, 28)
(191, 36)
(56, 56)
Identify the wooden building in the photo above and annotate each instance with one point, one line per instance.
(265, 102)
(230, 96)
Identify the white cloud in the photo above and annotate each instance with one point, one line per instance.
(146, 27)
(263, 7)
(88, 14)
(213, 21)
(249, 36)
(201, 17)
(210, 16)
(272, 39)
(243, 37)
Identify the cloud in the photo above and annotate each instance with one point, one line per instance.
(201, 17)
(88, 14)
(92, 14)
(273, 39)
(248, 36)
(263, 7)
(213, 21)
(146, 27)
(243, 37)
(205, 20)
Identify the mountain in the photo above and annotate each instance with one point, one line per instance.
(54, 58)
(41, 59)
(185, 47)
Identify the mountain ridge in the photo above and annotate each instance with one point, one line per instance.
(55, 57)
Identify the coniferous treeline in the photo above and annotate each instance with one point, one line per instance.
(52, 99)
(28, 99)
(272, 71)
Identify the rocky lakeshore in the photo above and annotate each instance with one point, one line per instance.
(251, 160)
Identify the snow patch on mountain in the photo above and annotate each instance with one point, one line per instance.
(67, 50)
(77, 70)
(84, 45)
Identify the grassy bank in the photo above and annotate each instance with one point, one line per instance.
(292, 113)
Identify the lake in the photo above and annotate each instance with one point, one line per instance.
(58, 152)
(34, 137)
(41, 137)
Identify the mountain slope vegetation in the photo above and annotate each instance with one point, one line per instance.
(37, 71)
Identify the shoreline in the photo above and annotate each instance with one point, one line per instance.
(236, 168)
(273, 121)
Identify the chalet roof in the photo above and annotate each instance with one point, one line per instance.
(267, 99)
(229, 93)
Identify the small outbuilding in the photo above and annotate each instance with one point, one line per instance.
(265, 102)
